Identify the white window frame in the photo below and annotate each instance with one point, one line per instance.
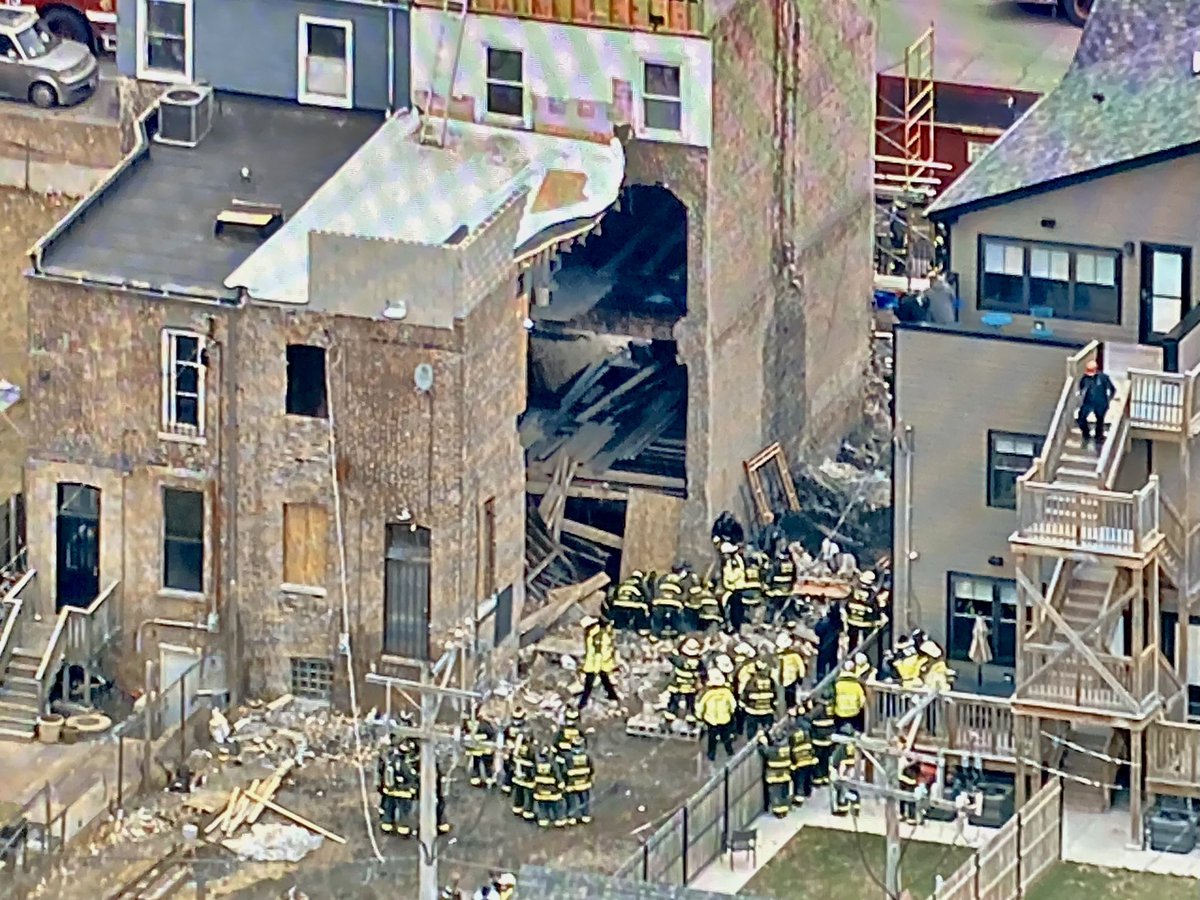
(165, 76)
(303, 95)
(488, 82)
(643, 96)
(171, 429)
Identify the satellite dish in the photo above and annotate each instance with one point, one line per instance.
(423, 377)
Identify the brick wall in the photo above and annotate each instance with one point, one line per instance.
(95, 397)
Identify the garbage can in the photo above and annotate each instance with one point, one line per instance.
(50, 728)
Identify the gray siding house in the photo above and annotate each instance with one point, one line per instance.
(348, 54)
(1080, 225)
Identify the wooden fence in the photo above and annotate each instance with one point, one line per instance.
(1016, 856)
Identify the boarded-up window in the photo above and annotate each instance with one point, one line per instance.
(406, 592)
(305, 538)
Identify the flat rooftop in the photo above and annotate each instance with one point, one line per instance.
(151, 225)
(989, 43)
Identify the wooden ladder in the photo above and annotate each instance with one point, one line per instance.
(445, 72)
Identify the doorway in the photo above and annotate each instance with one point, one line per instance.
(1166, 295)
(78, 545)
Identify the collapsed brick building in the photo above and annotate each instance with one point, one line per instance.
(277, 441)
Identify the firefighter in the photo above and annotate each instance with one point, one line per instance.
(862, 612)
(757, 565)
(481, 749)
(789, 669)
(845, 797)
(908, 782)
(569, 733)
(408, 783)
(522, 780)
(733, 587)
(759, 698)
(506, 887)
(388, 786)
(777, 775)
(512, 736)
(443, 827)
(743, 667)
(849, 699)
(599, 658)
(716, 709)
(693, 600)
(686, 678)
(822, 739)
(666, 609)
(933, 671)
(781, 585)
(863, 670)
(548, 777)
(630, 608)
(580, 774)
(804, 761)
(701, 595)
(907, 663)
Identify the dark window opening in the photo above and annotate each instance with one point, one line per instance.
(77, 581)
(993, 599)
(1009, 457)
(503, 616)
(489, 547)
(636, 263)
(406, 591)
(505, 83)
(306, 381)
(183, 540)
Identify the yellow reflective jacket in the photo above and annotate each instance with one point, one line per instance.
(849, 698)
(716, 706)
(791, 667)
(599, 651)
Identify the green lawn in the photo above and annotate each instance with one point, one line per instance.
(821, 864)
(1068, 881)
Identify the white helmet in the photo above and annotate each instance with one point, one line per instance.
(784, 641)
(716, 678)
(867, 577)
(588, 621)
(860, 659)
(506, 880)
(930, 649)
(848, 666)
(728, 547)
(744, 649)
(724, 664)
(690, 647)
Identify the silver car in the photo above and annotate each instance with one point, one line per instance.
(40, 68)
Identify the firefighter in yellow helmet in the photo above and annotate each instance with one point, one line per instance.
(849, 699)
(715, 709)
(599, 658)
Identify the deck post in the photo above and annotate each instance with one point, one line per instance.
(1136, 738)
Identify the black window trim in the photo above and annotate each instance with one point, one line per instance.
(178, 537)
(993, 619)
(982, 304)
(1039, 441)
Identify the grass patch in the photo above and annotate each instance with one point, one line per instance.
(822, 864)
(1068, 881)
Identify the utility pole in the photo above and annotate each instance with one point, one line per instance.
(431, 692)
(888, 755)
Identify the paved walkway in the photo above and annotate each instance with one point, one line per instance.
(1102, 839)
(774, 834)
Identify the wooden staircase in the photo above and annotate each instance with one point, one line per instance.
(1082, 762)
(19, 689)
(1080, 465)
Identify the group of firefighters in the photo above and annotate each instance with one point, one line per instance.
(398, 769)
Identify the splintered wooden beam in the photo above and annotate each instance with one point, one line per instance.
(294, 817)
(595, 535)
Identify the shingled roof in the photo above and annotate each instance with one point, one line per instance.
(539, 882)
(1130, 95)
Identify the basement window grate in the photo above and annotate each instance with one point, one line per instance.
(312, 677)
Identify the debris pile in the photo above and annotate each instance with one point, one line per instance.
(275, 843)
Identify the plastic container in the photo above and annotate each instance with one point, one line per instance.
(50, 728)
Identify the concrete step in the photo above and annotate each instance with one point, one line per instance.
(17, 734)
(18, 723)
(19, 705)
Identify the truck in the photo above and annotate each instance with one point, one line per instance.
(92, 23)
(1074, 11)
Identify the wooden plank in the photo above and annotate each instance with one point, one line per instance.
(579, 491)
(651, 531)
(588, 533)
(298, 819)
(221, 819)
(637, 479)
(626, 387)
(559, 600)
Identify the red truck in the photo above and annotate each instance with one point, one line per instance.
(91, 22)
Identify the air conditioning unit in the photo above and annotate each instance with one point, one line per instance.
(185, 115)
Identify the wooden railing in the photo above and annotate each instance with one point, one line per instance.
(1173, 758)
(13, 607)
(1113, 452)
(664, 16)
(80, 635)
(1161, 401)
(1076, 517)
(1178, 538)
(963, 722)
(1063, 420)
(1074, 681)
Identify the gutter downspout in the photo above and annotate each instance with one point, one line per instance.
(391, 60)
(908, 520)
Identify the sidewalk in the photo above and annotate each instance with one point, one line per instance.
(774, 834)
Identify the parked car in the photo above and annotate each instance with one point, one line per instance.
(39, 67)
(1075, 11)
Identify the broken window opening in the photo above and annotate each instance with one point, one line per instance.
(406, 591)
(183, 540)
(635, 263)
(306, 381)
